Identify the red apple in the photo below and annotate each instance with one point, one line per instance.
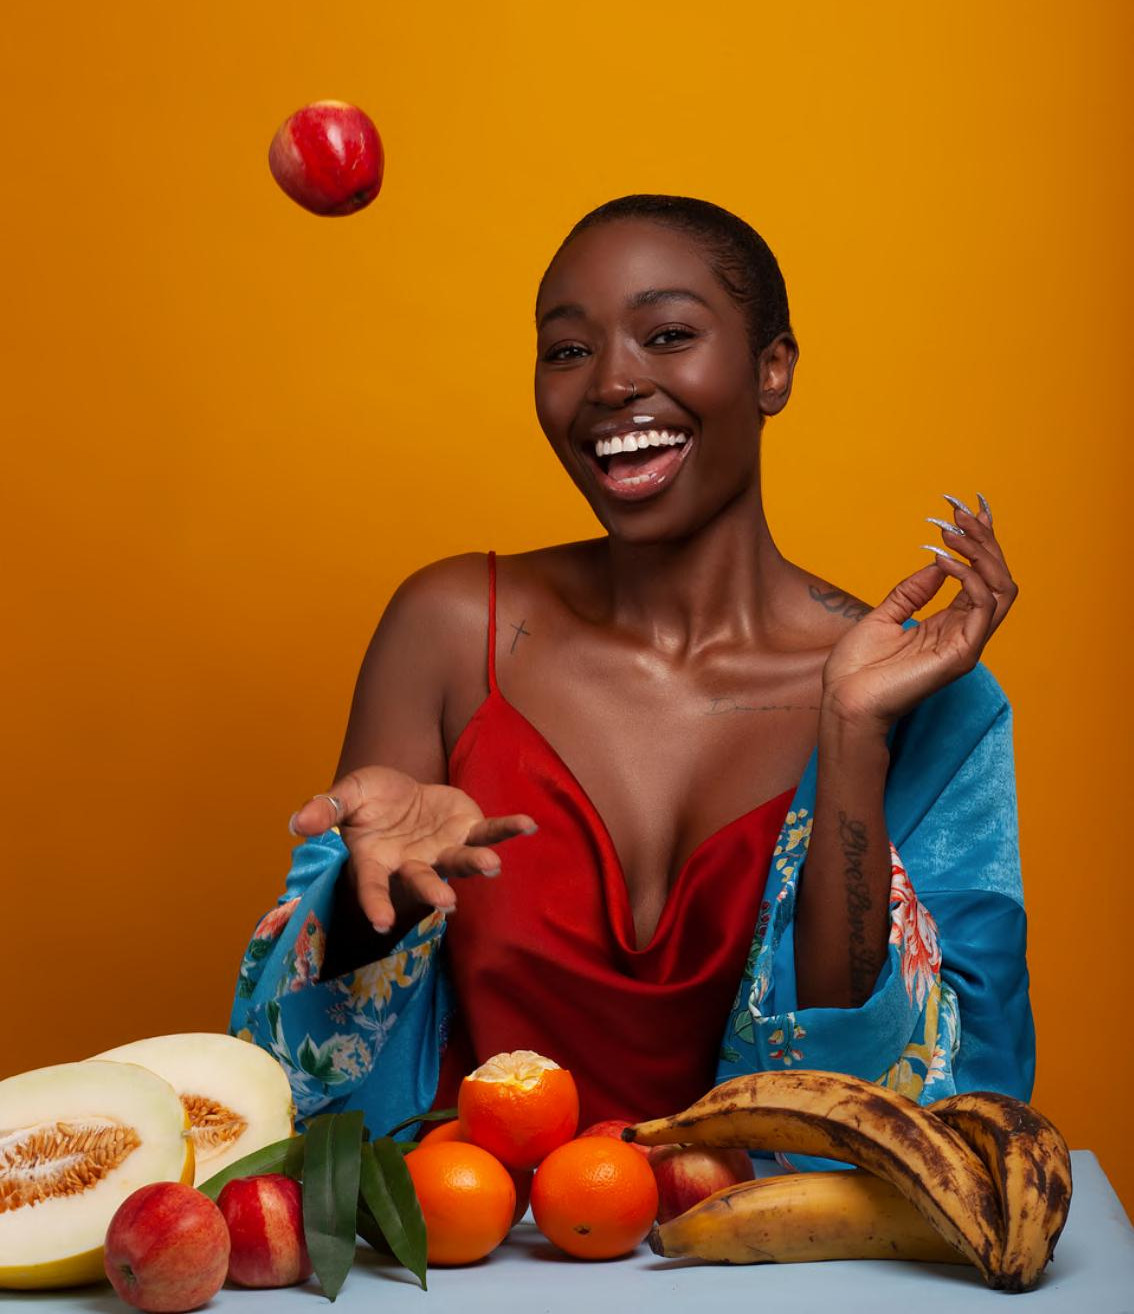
(614, 1127)
(328, 158)
(265, 1221)
(687, 1174)
(166, 1248)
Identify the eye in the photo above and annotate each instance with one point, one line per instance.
(563, 351)
(670, 336)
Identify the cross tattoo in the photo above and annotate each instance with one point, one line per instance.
(519, 630)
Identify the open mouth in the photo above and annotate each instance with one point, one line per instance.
(641, 462)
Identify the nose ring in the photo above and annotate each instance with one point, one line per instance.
(630, 396)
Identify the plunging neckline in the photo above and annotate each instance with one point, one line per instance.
(597, 818)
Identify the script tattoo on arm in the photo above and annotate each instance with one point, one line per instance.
(519, 631)
(863, 960)
(841, 603)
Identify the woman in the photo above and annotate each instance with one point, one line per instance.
(639, 694)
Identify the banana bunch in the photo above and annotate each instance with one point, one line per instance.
(989, 1175)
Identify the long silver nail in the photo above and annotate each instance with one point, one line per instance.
(947, 526)
(940, 551)
(956, 502)
(291, 830)
(984, 506)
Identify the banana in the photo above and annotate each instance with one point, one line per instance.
(1030, 1167)
(802, 1217)
(837, 1116)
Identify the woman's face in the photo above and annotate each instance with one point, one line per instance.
(638, 341)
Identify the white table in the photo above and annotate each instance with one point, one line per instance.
(1093, 1273)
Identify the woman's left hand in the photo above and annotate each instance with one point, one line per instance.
(878, 671)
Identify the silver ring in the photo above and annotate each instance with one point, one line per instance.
(633, 390)
(334, 802)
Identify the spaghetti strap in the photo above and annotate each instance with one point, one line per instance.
(492, 622)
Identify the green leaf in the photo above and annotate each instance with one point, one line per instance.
(370, 1232)
(280, 1157)
(331, 1165)
(387, 1191)
(439, 1115)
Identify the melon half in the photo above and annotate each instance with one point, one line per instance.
(75, 1140)
(236, 1095)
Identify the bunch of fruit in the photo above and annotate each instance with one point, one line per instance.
(978, 1178)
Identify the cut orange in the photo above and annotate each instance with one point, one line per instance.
(519, 1107)
(466, 1197)
(595, 1197)
(521, 1177)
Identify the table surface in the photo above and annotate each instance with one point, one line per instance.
(1093, 1273)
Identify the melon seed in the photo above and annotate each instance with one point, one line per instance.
(60, 1158)
(212, 1125)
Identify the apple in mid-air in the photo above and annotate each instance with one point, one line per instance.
(328, 158)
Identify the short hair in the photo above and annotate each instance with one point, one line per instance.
(739, 257)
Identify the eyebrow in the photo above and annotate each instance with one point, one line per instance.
(650, 297)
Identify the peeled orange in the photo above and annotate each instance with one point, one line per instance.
(518, 1106)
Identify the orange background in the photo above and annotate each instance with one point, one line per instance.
(234, 428)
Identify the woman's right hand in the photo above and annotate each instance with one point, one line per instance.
(406, 839)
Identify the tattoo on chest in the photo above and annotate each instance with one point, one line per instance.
(863, 958)
(722, 706)
(520, 631)
(840, 603)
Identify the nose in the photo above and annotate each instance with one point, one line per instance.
(617, 379)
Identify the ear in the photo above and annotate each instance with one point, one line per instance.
(775, 370)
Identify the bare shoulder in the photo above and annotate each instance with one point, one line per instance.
(823, 611)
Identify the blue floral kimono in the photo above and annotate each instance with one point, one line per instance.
(948, 1012)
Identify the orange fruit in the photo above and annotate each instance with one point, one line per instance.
(466, 1197)
(521, 1178)
(519, 1107)
(443, 1131)
(595, 1197)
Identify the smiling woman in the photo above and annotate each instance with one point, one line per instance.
(753, 821)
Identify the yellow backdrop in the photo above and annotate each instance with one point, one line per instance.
(233, 427)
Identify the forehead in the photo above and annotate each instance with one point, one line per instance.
(608, 264)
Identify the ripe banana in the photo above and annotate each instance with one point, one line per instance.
(836, 1116)
(801, 1217)
(1030, 1167)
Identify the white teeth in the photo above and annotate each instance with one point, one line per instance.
(635, 442)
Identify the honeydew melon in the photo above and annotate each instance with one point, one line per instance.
(75, 1140)
(236, 1095)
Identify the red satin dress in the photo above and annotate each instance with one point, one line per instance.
(544, 956)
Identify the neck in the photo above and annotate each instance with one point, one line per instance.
(720, 586)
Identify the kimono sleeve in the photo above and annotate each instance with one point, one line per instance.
(949, 1010)
(368, 1039)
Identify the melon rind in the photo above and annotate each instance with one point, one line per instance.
(235, 1073)
(58, 1243)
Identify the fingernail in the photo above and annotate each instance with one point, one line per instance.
(444, 905)
(946, 525)
(529, 830)
(291, 830)
(956, 502)
(940, 551)
(490, 871)
(984, 506)
(382, 928)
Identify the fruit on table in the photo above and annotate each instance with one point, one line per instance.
(802, 1217)
(687, 1174)
(518, 1106)
(613, 1127)
(594, 1198)
(265, 1225)
(955, 1167)
(837, 1116)
(521, 1178)
(467, 1199)
(328, 158)
(236, 1095)
(1030, 1167)
(167, 1248)
(78, 1138)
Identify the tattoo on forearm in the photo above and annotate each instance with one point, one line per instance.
(863, 958)
(841, 603)
(722, 706)
(519, 631)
